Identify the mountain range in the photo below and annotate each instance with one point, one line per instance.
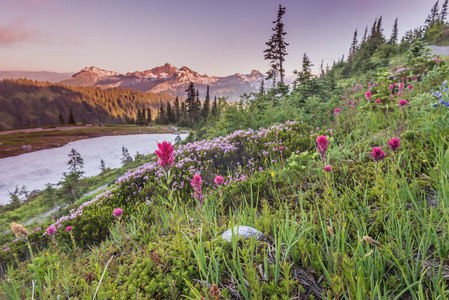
(168, 79)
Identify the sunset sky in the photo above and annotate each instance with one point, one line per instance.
(209, 36)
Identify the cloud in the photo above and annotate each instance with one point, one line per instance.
(16, 33)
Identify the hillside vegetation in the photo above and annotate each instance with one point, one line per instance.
(27, 103)
(362, 218)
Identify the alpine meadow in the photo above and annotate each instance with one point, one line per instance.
(324, 179)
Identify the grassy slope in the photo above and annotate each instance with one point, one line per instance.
(366, 230)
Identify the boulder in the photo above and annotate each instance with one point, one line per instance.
(242, 231)
(27, 148)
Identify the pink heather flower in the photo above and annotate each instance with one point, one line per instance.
(391, 86)
(377, 154)
(328, 169)
(117, 212)
(69, 228)
(378, 101)
(218, 180)
(402, 103)
(394, 144)
(165, 155)
(410, 87)
(281, 148)
(51, 230)
(323, 143)
(368, 95)
(324, 121)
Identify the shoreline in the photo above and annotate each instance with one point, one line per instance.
(19, 141)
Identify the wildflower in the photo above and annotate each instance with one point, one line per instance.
(314, 116)
(165, 155)
(410, 87)
(377, 154)
(323, 143)
(218, 180)
(117, 212)
(281, 148)
(403, 103)
(51, 230)
(69, 228)
(324, 121)
(272, 174)
(328, 169)
(394, 144)
(378, 101)
(337, 111)
(18, 229)
(196, 183)
(368, 95)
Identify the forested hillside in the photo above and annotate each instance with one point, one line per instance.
(25, 103)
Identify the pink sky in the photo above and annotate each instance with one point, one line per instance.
(211, 37)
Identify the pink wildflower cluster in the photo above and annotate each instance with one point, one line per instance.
(323, 143)
(117, 212)
(402, 103)
(394, 144)
(165, 155)
(377, 154)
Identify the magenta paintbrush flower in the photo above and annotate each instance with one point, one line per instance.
(378, 101)
(410, 86)
(219, 180)
(69, 228)
(51, 230)
(117, 212)
(377, 154)
(403, 103)
(323, 143)
(328, 169)
(165, 155)
(196, 183)
(368, 95)
(337, 111)
(394, 144)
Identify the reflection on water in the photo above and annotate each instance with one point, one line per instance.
(36, 169)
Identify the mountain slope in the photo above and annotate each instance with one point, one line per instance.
(168, 79)
(39, 76)
(28, 103)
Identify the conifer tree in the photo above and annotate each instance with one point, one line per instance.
(71, 118)
(394, 33)
(215, 108)
(161, 117)
(276, 50)
(261, 90)
(60, 119)
(353, 49)
(149, 116)
(365, 35)
(433, 16)
(176, 110)
(183, 111)
(443, 13)
(306, 71)
(206, 106)
(191, 105)
(170, 116)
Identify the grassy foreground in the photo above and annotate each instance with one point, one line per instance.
(373, 227)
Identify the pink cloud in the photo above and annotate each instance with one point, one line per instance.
(16, 33)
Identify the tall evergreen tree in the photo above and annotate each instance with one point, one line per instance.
(353, 49)
(215, 108)
(277, 48)
(365, 35)
(206, 106)
(394, 33)
(433, 16)
(262, 87)
(176, 110)
(183, 111)
(149, 120)
(71, 118)
(443, 13)
(60, 119)
(191, 105)
(161, 117)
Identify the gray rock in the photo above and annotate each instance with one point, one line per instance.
(27, 148)
(242, 231)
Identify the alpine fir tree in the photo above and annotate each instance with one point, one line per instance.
(276, 50)
(443, 13)
(60, 119)
(149, 116)
(214, 108)
(176, 110)
(353, 49)
(71, 117)
(191, 105)
(306, 72)
(394, 33)
(206, 106)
